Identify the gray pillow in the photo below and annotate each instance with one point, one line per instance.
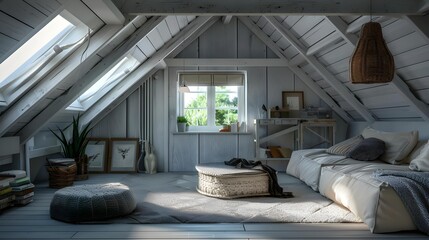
(367, 150)
(346, 146)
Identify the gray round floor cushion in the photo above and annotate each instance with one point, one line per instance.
(92, 202)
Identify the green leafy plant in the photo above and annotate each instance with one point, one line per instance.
(75, 146)
(182, 119)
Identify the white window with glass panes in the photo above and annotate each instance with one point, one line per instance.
(214, 99)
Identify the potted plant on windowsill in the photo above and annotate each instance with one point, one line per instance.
(181, 123)
(75, 146)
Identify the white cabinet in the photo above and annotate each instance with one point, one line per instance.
(305, 129)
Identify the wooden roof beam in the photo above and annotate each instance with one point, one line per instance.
(336, 84)
(270, 7)
(129, 84)
(400, 86)
(82, 83)
(299, 72)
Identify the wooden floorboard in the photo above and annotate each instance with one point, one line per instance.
(33, 222)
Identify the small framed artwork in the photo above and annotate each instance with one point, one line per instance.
(293, 100)
(123, 154)
(97, 152)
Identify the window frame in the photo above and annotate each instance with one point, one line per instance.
(211, 105)
(11, 88)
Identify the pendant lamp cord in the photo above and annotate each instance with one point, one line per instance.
(370, 10)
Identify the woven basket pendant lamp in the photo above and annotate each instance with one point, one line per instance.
(371, 61)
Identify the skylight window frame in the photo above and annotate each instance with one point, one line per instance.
(11, 91)
(120, 72)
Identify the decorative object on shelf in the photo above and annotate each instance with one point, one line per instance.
(371, 61)
(97, 152)
(181, 123)
(75, 147)
(150, 159)
(123, 154)
(293, 100)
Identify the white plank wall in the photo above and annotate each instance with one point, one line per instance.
(264, 86)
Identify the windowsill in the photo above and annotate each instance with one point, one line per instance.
(214, 133)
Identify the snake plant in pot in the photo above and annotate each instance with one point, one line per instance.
(75, 146)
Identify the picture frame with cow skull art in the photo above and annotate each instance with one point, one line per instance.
(123, 154)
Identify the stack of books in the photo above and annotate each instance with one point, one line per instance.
(7, 197)
(21, 187)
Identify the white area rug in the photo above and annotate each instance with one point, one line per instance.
(174, 199)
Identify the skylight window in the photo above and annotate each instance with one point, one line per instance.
(56, 29)
(105, 83)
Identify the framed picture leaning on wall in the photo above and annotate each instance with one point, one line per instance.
(123, 154)
(293, 100)
(97, 151)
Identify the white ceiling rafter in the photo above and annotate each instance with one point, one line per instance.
(299, 72)
(343, 91)
(87, 80)
(73, 66)
(129, 84)
(270, 7)
(400, 86)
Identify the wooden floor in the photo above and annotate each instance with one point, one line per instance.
(33, 222)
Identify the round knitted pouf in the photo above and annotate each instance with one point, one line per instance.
(92, 202)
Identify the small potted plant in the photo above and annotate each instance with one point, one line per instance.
(75, 146)
(181, 123)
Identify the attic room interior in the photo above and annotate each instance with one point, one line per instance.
(214, 119)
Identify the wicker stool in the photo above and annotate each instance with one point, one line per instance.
(222, 181)
(92, 202)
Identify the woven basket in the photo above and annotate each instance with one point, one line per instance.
(61, 176)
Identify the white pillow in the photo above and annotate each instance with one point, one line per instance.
(415, 152)
(398, 144)
(421, 162)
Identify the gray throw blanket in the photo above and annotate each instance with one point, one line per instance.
(413, 189)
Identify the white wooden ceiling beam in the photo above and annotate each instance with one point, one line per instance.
(78, 9)
(82, 83)
(134, 78)
(106, 10)
(400, 86)
(420, 25)
(224, 62)
(226, 19)
(298, 71)
(270, 7)
(342, 90)
(74, 66)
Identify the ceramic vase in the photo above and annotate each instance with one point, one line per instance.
(149, 159)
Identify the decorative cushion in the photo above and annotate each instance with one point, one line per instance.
(416, 151)
(92, 202)
(344, 147)
(421, 162)
(398, 144)
(368, 149)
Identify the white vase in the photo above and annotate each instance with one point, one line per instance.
(150, 160)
